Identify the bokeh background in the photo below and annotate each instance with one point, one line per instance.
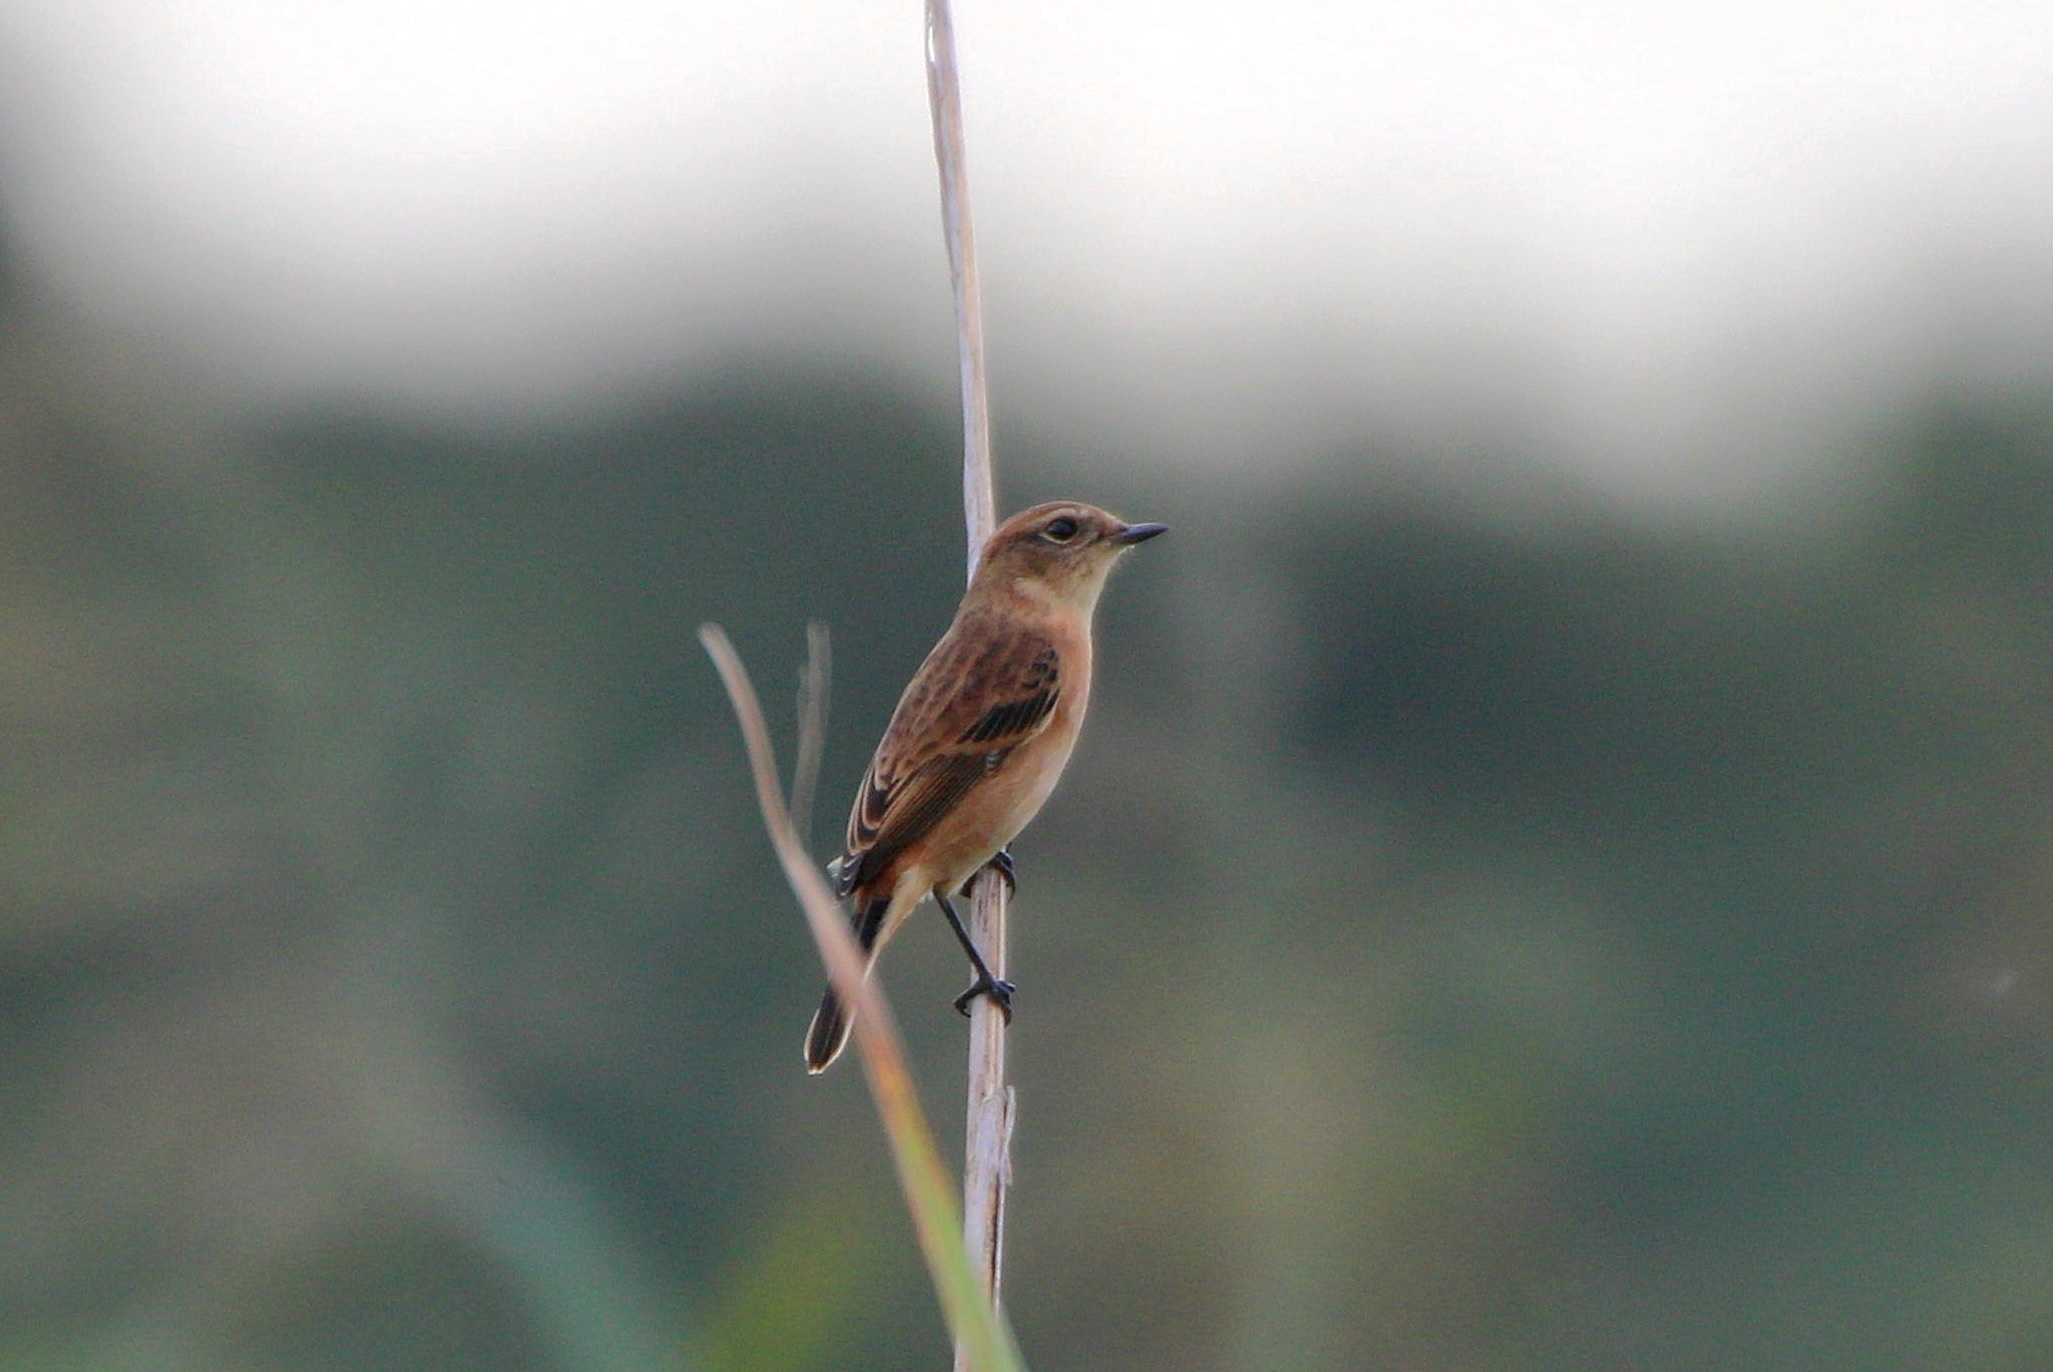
(1559, 873)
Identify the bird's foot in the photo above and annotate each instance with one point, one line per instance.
(1001, 863)
(999, 991)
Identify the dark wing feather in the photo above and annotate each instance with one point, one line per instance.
(1014, 718)
(985, 689)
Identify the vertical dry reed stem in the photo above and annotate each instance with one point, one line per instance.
(815, 686)
(987, 1159)
(944, 99)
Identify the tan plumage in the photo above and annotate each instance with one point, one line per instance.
(980, 736)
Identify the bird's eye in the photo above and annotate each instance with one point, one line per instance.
(1059, 530)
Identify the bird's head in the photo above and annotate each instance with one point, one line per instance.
(1059, 552)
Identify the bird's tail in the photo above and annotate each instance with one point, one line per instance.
(832, 1021)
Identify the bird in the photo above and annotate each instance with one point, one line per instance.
(978, 740)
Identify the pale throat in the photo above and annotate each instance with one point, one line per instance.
(1073, 595)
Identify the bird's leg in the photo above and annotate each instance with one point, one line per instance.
(1000, 992)
(1001, 863)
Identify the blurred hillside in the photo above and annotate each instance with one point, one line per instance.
(1480, 931)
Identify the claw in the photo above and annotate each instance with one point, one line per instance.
(1001, 863)
(999, 991)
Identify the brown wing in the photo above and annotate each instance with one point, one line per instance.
(984, 690)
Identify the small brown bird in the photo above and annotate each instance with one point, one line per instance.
(979, 738)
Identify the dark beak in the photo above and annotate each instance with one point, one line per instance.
(1137, 533)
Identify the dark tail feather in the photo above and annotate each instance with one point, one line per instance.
(829, 1032)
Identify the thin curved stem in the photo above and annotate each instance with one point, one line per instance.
(972, 1317)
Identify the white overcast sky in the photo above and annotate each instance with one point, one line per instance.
(1676, 242)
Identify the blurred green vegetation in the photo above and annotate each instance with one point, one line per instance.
(1476, 933)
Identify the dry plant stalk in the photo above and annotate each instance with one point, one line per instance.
(966, 1275)
(944, 99)
(814, 690)
(988, 1114)
(972, 1318)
